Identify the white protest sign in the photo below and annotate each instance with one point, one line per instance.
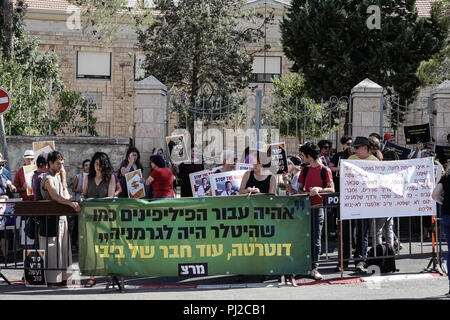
(136, 188)
(43, 148)
(200, 182)
(378, 189)
(227, 183)
(28, 172)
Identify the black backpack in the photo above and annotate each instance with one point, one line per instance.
(385, 264)
(323, 175)
(31, 227)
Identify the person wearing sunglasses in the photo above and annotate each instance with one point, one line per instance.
(324, 155)
(363, 149)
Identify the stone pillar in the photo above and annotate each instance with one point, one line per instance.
(151, 99)
(366, 101)
(441, 112)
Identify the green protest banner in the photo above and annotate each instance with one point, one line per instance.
(260, 234)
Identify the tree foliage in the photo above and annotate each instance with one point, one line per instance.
(437, 69)
(102, 20)
(27, 76)
(200, 47)
(333, 47)
(295, 114)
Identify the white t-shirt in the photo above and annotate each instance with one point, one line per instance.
(294, 181)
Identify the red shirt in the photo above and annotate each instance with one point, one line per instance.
(19, 181)
(163, 182)
(314, 179)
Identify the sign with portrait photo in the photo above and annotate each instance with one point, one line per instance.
(227, 183)
(177, 149)
(200, 182)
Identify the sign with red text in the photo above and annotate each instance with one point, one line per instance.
(378, 189)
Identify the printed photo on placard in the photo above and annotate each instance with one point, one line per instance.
(200, 182)
(28, 171)
(136, 188)
(34, 262)
(43, 148)
(226, 183)
(244, 166)
(177, 149)
(278, 158)
(418, 133)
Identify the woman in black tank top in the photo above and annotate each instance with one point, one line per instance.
(256, 181)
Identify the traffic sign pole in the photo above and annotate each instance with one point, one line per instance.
(5, 103)
(5, 146)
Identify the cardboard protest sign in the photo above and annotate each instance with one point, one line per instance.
(200, 182)
(177, 149)
(379, 189)
(34, 262)
(43, 148)
(443, 154)
(402, 153)
(136, 188)
(278, 158)
(244, 166)
(28, 172)
(226, 183)
(418, 133)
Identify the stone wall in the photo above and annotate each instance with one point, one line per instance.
(75, 149)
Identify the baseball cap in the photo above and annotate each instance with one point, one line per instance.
(361, 141)
(388, 135)
(29, 154)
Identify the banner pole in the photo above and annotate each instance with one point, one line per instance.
(341, 247)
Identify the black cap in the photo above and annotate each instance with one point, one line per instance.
(361, 141)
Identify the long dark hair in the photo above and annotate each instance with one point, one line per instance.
(138, 160)
(105, 164)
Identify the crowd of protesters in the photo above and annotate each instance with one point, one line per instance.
(313, 171)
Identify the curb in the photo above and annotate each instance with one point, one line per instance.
(373, 279)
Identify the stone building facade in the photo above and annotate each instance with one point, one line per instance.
(113, 88)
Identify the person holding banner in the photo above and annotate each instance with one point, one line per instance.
(161, 178)
(314, 179)
(257, 181)
(363, 149)
(131, 163)
(100, 183)
(441, 194)
(53, 233)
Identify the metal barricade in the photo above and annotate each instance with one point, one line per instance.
(48, 213)
(412, 243)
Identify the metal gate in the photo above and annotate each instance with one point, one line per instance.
(293, 120)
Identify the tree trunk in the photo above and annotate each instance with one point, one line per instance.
(8, 28)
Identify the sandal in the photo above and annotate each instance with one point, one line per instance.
(90, 283)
